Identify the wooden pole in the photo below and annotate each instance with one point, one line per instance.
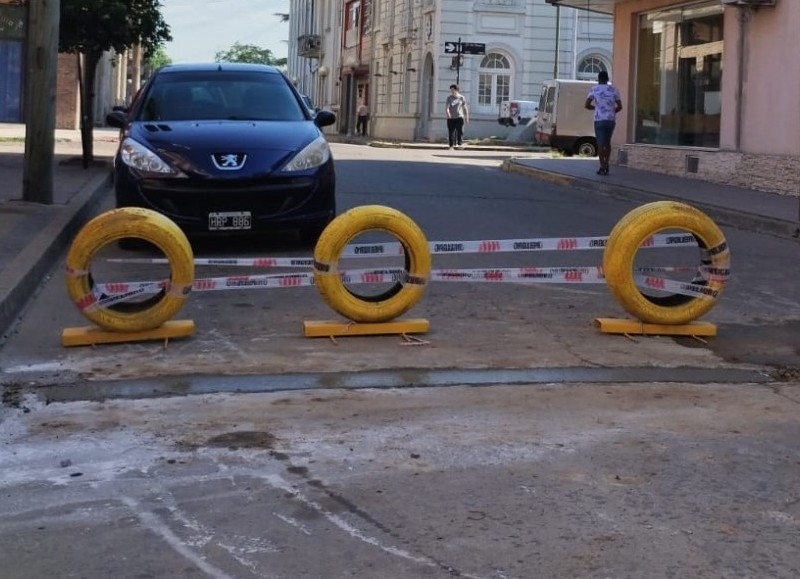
(40, 100)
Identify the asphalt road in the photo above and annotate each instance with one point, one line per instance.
(517, 442)
(452, 196)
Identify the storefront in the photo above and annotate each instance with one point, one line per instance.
(678, 76)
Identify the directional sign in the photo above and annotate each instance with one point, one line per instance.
(464, 48)
(473, 48)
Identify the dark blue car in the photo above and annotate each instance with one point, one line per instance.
(226, 149)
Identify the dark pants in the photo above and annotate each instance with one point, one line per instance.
(455, 131)
(361, 125)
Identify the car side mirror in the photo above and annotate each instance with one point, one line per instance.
(324, 118)
(117, 119)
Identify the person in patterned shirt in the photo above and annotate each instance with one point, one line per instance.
(606, 102)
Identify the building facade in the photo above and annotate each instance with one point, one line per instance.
(400, 57)
(112, 87)
(708, 94)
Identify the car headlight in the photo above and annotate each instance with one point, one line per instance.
(313, 155)
(141, 159)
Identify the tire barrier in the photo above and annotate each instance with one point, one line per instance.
(402, 295)
(114, 311)
(677, 308)
(647, 227)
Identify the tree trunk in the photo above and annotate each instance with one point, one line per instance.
(40, 101)
(90, 62)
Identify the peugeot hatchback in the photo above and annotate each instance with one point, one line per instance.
(226, 149)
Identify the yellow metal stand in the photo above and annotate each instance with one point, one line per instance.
(324, 329)
(92, 335)
(617, 326)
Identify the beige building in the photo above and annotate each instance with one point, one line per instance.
(709, 88)
(400, 56)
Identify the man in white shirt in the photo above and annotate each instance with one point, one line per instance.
(606, 102)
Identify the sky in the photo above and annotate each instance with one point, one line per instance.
(201, 28)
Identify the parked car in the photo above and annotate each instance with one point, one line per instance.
(513, 113)
(225, 149)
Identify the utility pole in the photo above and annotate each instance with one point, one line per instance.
(40, 100)
(458, 63)
(558, 40)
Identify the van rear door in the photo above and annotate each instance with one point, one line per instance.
(546, 115)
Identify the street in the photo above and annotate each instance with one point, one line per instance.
(513, 440)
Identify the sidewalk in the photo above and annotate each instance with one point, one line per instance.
(33, 236)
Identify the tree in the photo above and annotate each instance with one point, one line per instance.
(158, 58)
(91, 27)
(249, 53)
(282, 16)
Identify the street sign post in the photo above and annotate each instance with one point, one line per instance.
(459, 48)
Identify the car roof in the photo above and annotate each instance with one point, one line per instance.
(218, 66)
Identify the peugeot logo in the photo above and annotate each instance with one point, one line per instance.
(229, 161)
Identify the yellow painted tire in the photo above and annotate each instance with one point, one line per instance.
(112, 226)
(627, 237)
(392, 303)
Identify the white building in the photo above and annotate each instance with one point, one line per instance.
(397, 56)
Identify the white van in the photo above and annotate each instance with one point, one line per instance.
(513, 113)
(562, 121)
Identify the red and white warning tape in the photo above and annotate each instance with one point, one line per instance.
(646, 277)
(435, 247)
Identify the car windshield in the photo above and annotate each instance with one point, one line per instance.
(221, 95)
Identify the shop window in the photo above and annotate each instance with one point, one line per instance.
(679, 76)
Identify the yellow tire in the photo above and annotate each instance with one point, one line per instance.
(139, 223)
(627, 237)
(395, 301)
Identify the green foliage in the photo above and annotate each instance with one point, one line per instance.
(249, 53)
(95, 26)
(158, 59)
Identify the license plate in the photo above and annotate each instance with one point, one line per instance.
(229, 220)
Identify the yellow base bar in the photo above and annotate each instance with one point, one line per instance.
(616, 326)
(91, 335)
(323, 329)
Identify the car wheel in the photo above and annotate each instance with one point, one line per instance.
(586, 148)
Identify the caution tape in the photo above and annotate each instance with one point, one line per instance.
(106, 294)
(435, 247)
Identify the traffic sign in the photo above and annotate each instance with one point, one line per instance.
(473, 48)
(464, 48)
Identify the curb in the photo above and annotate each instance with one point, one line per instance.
(25, 272)
(737, 219)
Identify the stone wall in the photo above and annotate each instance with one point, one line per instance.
(772, 173)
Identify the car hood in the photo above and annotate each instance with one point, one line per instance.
(196, 147)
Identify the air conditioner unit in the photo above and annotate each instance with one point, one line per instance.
(309, 45)
(754, 3)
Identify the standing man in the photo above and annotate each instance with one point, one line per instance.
(363, 118)
(457, 116)
(605, 101)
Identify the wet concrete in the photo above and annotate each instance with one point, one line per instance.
(770, 344)
(411, 378)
